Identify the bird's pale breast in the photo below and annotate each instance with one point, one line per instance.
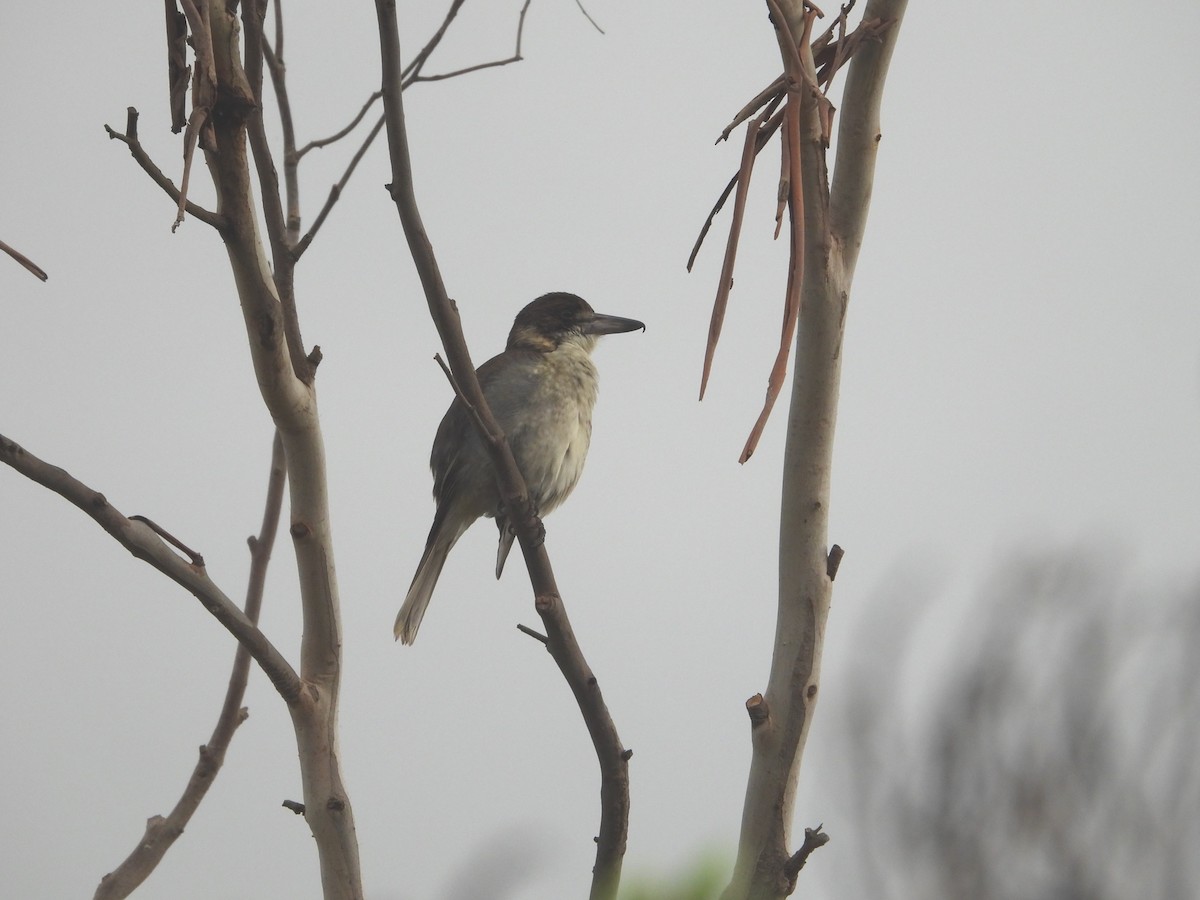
(551, 446)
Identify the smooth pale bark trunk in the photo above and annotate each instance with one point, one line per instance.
(834, 222)
(293, 407)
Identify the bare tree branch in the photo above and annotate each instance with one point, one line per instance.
(772, 93)
(283, 103)
(337, 136)
(421, 56)
(587, 16)
(561, 643)
(281, 231)
(414, 75)
(335, 192)
(196, 558)
(130, 140)
(143, 543)
(725, 284)
(162, 832)
(765, 133)
(24, 261)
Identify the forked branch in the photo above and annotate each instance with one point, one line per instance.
(161, 831)
(130, 139)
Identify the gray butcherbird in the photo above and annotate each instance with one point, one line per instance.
(541, 390)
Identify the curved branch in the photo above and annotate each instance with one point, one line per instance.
(161, 832)
(613, 759)
(337, 136)
(138, 152)
(142, 542)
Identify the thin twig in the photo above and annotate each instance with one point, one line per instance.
(408, 76)
(130, 140)
(826, 36)
(253, 17)
(797, 82)
(466, 70)
(278, 4)
(536, 635)
(772, 92)
(161, 832)
(416, 75)
(335, 192)
(588, 17)
(765, 134)
(735, 229)
(204, 96)
(414, 67)
(287, 128)
(196, 558)
(334, 138)
(24, 261)
(462, 398)
(785, 179)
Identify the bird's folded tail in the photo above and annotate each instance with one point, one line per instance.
(437, 547)
(506, 541)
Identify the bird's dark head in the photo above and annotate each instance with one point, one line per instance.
(553, 318)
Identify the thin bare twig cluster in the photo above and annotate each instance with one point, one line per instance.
(810, 67)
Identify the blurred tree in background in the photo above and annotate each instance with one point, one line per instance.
(1053, 755)
(1041, 746)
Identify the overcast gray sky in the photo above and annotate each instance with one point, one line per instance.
(1021, 368)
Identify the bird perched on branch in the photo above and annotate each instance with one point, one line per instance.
(541, 391)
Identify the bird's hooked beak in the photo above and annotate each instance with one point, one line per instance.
(602, 324)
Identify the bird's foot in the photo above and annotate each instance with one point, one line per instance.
(534, 520)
